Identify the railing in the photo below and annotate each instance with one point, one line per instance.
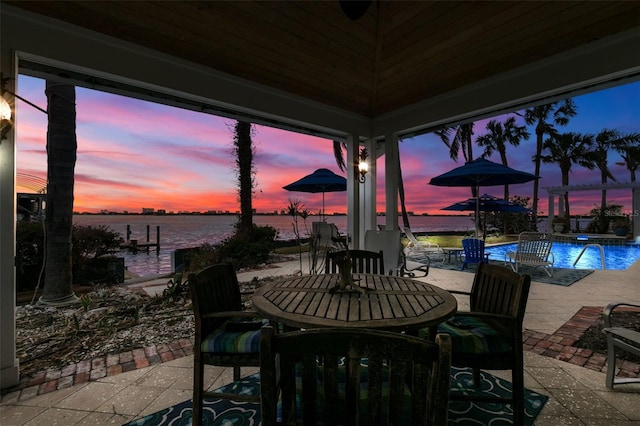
(585, 248)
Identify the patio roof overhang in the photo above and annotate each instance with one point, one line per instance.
(403, 69)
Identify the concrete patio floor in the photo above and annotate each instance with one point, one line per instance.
(577, 395)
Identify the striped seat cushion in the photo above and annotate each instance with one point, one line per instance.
(232, 338)
(472, 335)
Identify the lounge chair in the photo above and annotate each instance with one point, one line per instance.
(619, 337)
(534, 249)
(419, 247)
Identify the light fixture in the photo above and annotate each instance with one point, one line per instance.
(6, 112)
(363, 166)
(5, 109)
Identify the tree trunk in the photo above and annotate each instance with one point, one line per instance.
(244, 150)
(61, 160)
(536, 172)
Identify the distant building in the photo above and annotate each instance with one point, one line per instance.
(148, 210)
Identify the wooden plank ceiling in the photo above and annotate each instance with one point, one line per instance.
(397, 54)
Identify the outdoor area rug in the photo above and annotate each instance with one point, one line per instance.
(238, 413)
(561, 276)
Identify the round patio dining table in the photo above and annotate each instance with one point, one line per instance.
(388, 303)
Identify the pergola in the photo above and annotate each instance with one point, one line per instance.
(559, 191)
(402, 69)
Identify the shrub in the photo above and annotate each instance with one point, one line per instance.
(242, 250)
(248, 249)
(91, 245)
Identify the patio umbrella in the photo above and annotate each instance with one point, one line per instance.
(481, 172)
(322, 180)
(488, 203)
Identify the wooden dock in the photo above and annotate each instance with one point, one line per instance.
(134, 245)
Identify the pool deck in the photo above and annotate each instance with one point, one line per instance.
(100, 391)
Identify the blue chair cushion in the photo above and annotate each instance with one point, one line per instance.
(239, 335)
(472, 335)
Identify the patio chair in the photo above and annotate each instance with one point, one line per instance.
(619, 338)
(534, 249)
(473, 252)
(353, 377)
(419, 247)
(362, 261)
(396, 262)
(489, 335)
(225, 335)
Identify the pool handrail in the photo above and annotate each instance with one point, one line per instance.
(604, 266)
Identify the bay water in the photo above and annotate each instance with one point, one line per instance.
(185, 231)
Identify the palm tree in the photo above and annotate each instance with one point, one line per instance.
(61, 159)
(497, 138)
(243, 146)
(461, 141)
(565, 150)
(560, 112)
(630, 154)
(339, 155)
(606, 140)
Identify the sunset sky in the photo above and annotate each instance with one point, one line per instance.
(134, 154)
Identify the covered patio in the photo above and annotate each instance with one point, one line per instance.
(403, 69)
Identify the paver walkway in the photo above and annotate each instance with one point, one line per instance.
(558, 345)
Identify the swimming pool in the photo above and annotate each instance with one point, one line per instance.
(616, 257)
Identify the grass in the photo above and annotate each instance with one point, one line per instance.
(441, 240)
(294, 249)
(456, 240)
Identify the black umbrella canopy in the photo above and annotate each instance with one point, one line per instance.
(322, 180)
(488, 203)
(481, 172)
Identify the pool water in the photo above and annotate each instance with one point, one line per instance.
(616, 257)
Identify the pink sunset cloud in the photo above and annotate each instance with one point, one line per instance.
(134, 154)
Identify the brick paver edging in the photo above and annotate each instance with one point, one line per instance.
(557, 345)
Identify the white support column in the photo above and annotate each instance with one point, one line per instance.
(550, 213)
(392, 175)
(368, 195)
(353, 192)
(9, 366)
(561, 205)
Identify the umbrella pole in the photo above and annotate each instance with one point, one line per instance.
(322, 216)
(477, 212)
